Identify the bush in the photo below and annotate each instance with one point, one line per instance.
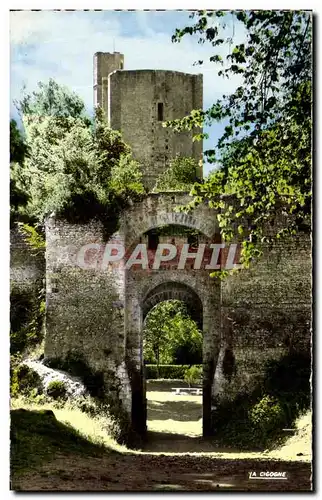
(193, 375)
(180, 175)
(76, 365)
(56, 389)
(276, 401)
(288, 379)
(23, 380)
(267, 415)
(153, 372)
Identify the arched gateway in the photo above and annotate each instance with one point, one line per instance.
(144, 288)
(173, 290)
(166, 290)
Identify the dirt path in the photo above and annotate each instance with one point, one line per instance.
(115, 472)
(168, 412)
(175, 458)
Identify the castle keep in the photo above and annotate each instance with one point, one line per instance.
(96, 313)
(136, 102)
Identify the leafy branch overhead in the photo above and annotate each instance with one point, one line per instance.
(263, 158)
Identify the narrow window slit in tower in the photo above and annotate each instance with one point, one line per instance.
(160, 111)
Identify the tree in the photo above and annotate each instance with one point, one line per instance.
(185, 340)
(52, 99)
(76, 168)
(264, 155)
(18, 153)
(171, 336)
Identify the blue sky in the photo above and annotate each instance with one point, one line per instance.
(61, 45)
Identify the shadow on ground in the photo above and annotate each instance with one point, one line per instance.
(37, 436)
(65, 461)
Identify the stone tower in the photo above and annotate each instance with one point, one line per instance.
(137, 102)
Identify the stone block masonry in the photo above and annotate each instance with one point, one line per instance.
(99, 312)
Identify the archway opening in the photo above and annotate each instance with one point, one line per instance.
(172, 344)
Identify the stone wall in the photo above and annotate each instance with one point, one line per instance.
(85, 306)
(266, 311)
(98, 311)
(27, 266)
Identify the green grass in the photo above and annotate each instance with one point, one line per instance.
(37, 436)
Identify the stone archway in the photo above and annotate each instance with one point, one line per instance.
(166, 290)
(158, 210)
(173, 290)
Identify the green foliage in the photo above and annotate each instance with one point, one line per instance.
(26, 319)
(193, 375)
(175, 372)
(267, 414)
(289, 380)
(179, 176)
(56, 389)
(51, 99)
(274, 402)
(33, 237)
(18, 148)
(23, 380)
(171, 336)
(264, 155)
(76, 169)
(126, 178)
(18, 152)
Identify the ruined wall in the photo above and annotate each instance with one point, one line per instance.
(159, 96)
(104, 63)
(256, 314)
(84, 315)
(97, 312)
(266, 311)
(27, 266)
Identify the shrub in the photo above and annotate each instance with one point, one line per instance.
(278, 398)
(23, 380)
(267, 415)
(179, 176)
(288, 379)
(76, 365)
(153, 372)
(56, 389)
(193, 375)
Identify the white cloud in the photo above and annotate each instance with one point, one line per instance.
(61, 45)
